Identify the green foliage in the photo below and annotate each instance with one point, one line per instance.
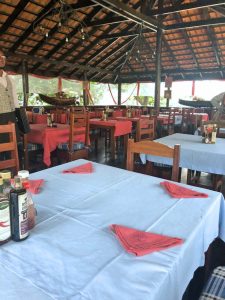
(97, 91)
(145, 100)
(74, 88)
(47, 87)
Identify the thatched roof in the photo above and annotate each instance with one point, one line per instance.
(114, 40)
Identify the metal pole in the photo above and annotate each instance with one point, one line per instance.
(119, 92)
(158, 68)
(25, 80)
(85, 96)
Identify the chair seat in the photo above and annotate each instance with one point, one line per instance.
(215, 288)
(161, 165)
(76, 146)
(33, 147)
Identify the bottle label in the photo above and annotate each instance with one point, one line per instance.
(23, 215)
(5, 232)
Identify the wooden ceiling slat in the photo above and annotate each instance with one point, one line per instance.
(18, 9)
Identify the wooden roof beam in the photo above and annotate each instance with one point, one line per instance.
(201, 23)
(193, 5)
(59, 62)
(107, 21)
(124, 33)
(128, 12)
(178, 71)
(219, 9)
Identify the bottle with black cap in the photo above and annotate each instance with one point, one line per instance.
(18, 211)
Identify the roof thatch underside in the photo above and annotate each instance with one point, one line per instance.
(117, 44)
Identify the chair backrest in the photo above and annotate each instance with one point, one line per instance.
(10, 147)
(79, 125)
(155, 149)
(145, 129)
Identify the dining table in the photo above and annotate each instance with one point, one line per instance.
(116, 128)
(51, 137)
(73, 254)
(194, 154)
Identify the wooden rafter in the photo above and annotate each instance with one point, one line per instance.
(193, 5)
(128, 12)
(192, 24)
(58, 62)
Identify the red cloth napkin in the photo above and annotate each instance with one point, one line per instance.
(178, 191)
(82, 169)
(35, 186)
(140, 243)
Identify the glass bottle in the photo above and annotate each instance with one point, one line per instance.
(6, 176)
(49, 120)
(24, 175)
(1, 185)
(5, 230)
(18, 211)
(214, 132)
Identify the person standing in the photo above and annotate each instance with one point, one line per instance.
(8, 98)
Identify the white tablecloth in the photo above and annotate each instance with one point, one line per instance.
(194, 154)
(72, 254)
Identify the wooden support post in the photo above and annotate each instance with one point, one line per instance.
(85, 87)
(158, 68)
(119, 92)
(25, 82)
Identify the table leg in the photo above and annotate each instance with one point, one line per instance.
(125, 139)
(112, 140)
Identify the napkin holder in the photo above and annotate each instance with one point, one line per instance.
(104, 116)
(209, 132)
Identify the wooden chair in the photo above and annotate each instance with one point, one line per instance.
(10, 146)
(186, 123)
(79, 125)
(155, 149)
(32, 155)
(145, 129)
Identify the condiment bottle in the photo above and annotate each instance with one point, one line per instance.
(1, 185)
(24, 174)
(49, 120)
(5, 231)
(18, 211)
(214, 132)
(6, 176)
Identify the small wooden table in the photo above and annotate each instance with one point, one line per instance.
(116, 128)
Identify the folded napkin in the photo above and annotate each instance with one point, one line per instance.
(178, 191)
(35, 185)
(140, 243)
(82, 169)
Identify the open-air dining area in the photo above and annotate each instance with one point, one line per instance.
(112, 150)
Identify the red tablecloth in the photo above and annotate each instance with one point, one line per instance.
(200, 116)
(117, 113)
(50, 138)
(133, 119)
(39, 119)
(121, 127)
